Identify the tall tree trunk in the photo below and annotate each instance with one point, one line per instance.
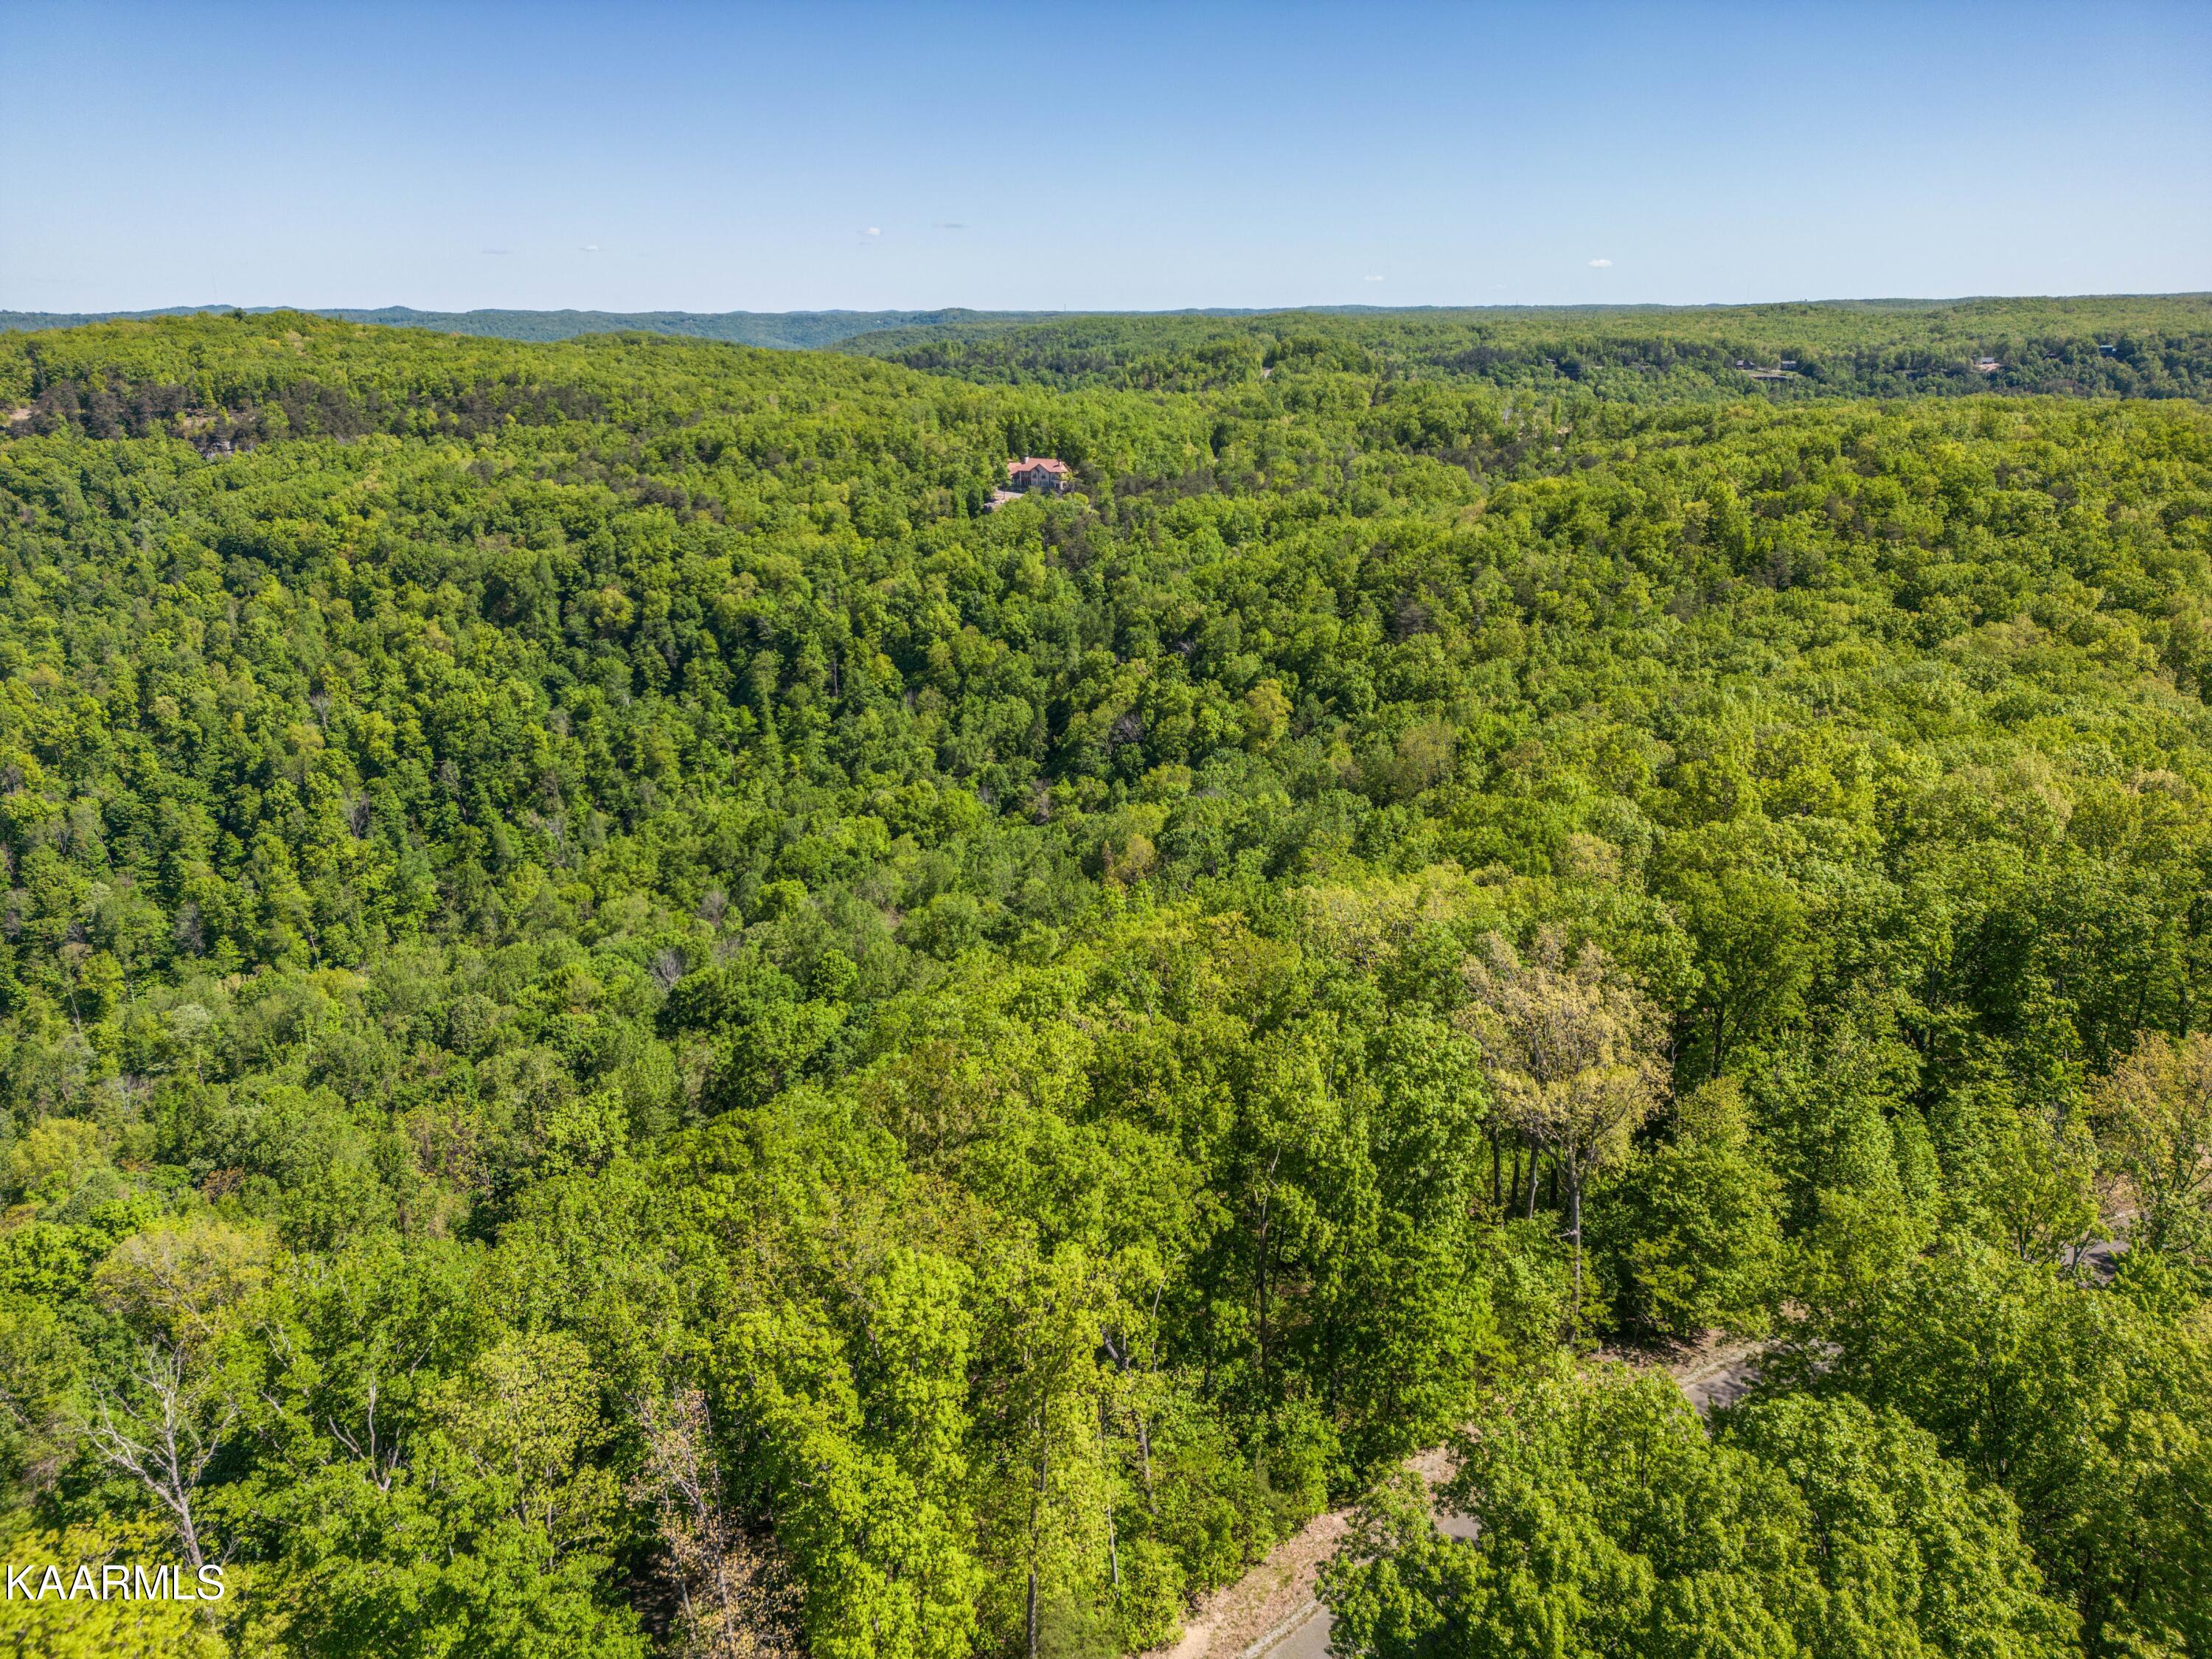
(1267, 1204)
(191, 1535)
(1575, 1231)
(1036, 1506)
(1145, 1452)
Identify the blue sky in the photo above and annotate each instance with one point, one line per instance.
(646, 156)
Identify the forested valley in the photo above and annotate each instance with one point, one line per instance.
(632, 1023)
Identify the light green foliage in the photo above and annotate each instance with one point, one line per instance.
(1608, 1522)
(86, 1626)
(2156, 1114)
(1690, 1235)
(873, 1513)
(547, 880)
(2087, 1407)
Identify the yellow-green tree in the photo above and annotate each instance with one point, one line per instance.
(1571, 1052)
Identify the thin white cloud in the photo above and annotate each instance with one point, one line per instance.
(589, 247)
(1371, 279)
(1600, 265)
(872, 230)
(949, 224)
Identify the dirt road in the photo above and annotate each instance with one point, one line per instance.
(1272, 1610)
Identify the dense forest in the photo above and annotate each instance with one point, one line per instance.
(2153, 347)
(2138, 348)
(629, 1024)
(789, 330)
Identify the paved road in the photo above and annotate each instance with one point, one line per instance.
(1721, 1377)
(1272, 1612)
(1711, 1376)
(1309, 1639)
(2103, 1257)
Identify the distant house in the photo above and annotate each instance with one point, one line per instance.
(1039, 472)
(1986, 365)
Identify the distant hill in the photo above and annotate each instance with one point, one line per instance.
(795, 330)
(2112, 345)
(788, 330)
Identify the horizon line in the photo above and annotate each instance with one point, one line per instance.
(338, 312)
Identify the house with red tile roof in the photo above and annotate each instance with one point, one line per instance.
(1039, 472)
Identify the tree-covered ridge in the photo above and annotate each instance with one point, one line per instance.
(2118, 346)
(795, 330)
(639, 1024)
(2108, 345)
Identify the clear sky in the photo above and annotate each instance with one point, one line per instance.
(648, 155)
